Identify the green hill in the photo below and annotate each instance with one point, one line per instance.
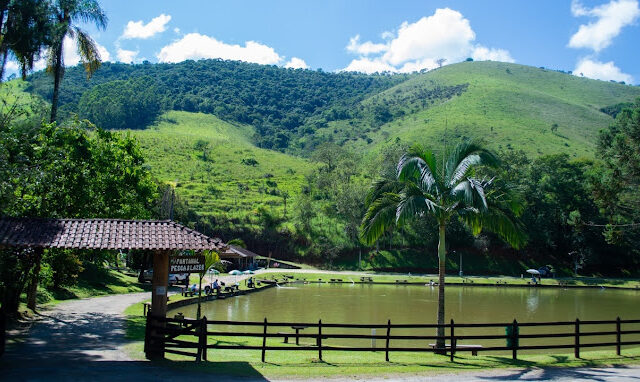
(216, 169)
(511, 106)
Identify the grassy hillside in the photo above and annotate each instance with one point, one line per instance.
(510, 105)
(225, 182)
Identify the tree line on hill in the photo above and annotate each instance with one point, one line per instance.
(282, 104)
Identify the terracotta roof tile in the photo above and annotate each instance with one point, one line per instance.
(103, 234)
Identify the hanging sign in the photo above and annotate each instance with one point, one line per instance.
(187, 264)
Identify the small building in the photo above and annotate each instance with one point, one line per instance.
(241, 258)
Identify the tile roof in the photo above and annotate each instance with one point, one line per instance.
(234, 252)
(103, 234)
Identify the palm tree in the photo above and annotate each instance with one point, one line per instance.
(444, 190)
(211, 258)
(66, 14)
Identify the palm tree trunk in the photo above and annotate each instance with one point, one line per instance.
(442, 253)
(199, 298)
(57, 78)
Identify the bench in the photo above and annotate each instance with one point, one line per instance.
(231, 288)
(401, 281)
(474, 348)
(366, 279)
(336, 280)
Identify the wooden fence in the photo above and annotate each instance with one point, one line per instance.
(168, 335)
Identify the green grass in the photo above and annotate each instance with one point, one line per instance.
(222, 185)
(93, 283)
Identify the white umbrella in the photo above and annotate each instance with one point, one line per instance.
(533, 271)
(235, 272)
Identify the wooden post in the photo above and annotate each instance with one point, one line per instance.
(320, 340)
(155, 346)
(577, 341)
(618, 336)
(386, 353)
(264, 339)
(202, 340)
(514, 340)
(453, 341)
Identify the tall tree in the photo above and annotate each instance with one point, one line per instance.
(445, 190)
(24, 31)
(67, 13)
(616, 181)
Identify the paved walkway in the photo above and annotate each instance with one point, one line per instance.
(83, 340)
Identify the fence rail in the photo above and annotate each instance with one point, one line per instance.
(162, 335)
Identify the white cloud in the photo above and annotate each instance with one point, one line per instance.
(610, 19)
(127, 56)
(446, 34)
(176, 30)
(481, 53)
(137, 29)
(367, 65)
(364, 48)
(196, 46)
(601, 71)
(296, 63)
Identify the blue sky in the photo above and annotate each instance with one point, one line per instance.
(596, 38)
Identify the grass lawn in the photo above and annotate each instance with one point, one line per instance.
(305, 364)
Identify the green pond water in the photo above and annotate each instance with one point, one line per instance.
(375, 304)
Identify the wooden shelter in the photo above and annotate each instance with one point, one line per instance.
(241, 257)
(161, 237)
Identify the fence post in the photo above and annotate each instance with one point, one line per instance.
(514, 340)
(453, 341)
(577, 335)
(264, 339)
(147, 334)
(386, 355)
(320, 340)
(203, 337)
(618, 335)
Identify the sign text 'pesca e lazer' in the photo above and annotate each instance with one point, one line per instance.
(187, 264)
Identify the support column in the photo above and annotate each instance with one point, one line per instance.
(155, 348)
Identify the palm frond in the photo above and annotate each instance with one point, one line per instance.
(471, 193)
(379, 217)
(413, 201)
(418, 165)
(380, 187)
(89, 11)
(466, 155)
(498, 221)
(88, 51)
